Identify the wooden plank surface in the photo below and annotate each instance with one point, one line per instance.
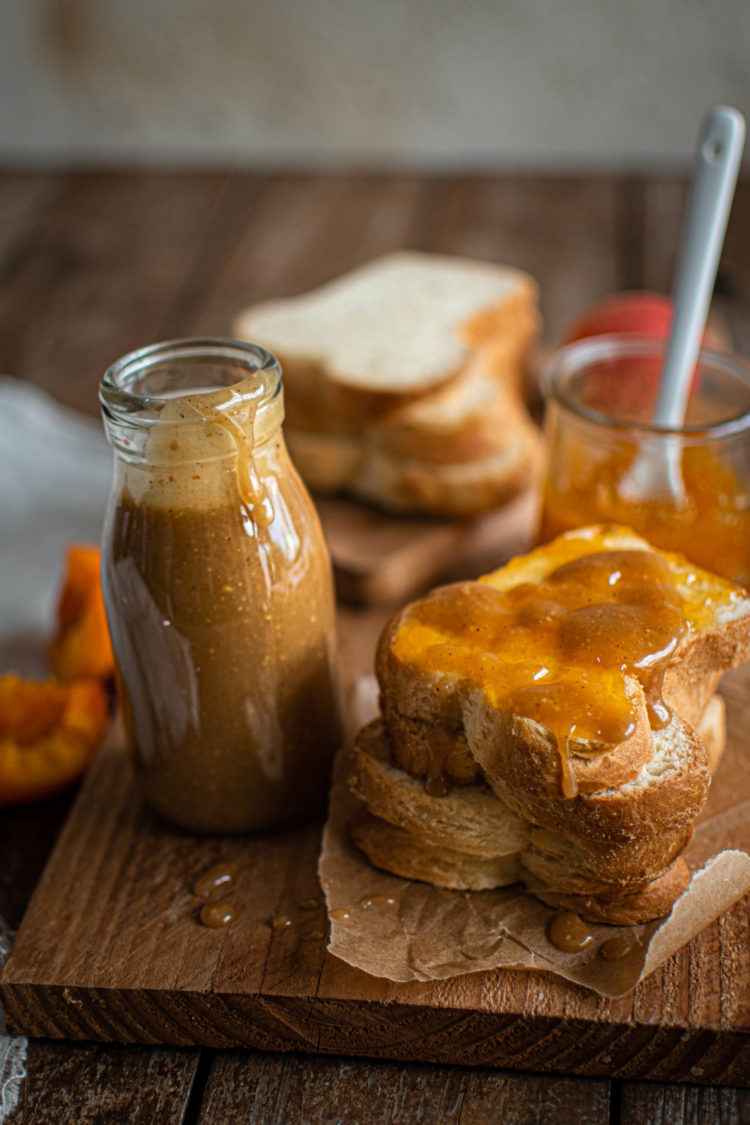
(378, 560)
(91, 1084)
(110, 949)
(252, 1089)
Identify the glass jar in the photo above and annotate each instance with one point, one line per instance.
(602, 395)
(218, 590)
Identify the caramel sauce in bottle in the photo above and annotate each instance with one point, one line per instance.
(220, 602)
(562, 650)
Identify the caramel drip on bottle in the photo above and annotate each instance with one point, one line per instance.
(254, 497)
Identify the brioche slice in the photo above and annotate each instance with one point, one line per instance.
(389, 330)
(711, 728)
(471, 821)
(449, 677)
(623, 638)
(618, 907)
(405, 854)
(467, 447)
(471, 840)
(473, 417)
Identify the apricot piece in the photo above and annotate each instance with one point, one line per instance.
(49, 733)
(81, 647)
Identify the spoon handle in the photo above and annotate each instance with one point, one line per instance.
(717, 162)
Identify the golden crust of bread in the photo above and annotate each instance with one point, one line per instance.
(621, 907)
(711, 728)
(636, 828)
(361, 465)
(401, 852)
(471, 820)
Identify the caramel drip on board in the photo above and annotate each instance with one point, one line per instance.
(376, 900)
(560, 651)
(340, 914)
(216, 879)
(217, 914)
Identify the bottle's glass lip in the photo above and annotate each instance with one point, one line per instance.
(572, 359)
(141, 382)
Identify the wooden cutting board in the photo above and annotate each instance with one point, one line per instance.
(110, 949)
(380, 559)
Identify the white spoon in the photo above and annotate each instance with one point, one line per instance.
(656, 470)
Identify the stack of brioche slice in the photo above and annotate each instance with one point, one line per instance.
(464, 786)
(403, 382)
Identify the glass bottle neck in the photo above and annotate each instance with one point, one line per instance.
(189, 400)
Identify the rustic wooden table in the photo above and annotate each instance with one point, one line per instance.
(92, 265)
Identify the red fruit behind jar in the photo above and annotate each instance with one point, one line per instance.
(641, 312)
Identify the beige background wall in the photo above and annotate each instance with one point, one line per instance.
(522, 83)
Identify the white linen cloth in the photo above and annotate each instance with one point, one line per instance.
(55, 473)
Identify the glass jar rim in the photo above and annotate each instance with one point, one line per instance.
(572, 358)
(117, 395)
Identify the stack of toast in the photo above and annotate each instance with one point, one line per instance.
(554, 723)
(404, 382)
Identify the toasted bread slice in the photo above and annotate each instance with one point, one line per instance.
(420, 678)
(618, 906)
(470, 820)
(471, 839)
(711, 728)
(356, 464)
(405, 854)
(389, 330)
(473, 417)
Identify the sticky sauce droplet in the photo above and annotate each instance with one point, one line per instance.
(376, 900)
(614, 949)
(216, 879)
(217, 914)
(340, 913)
(281, 921)
(569, 933)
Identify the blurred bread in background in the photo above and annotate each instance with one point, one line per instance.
(403, 382)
